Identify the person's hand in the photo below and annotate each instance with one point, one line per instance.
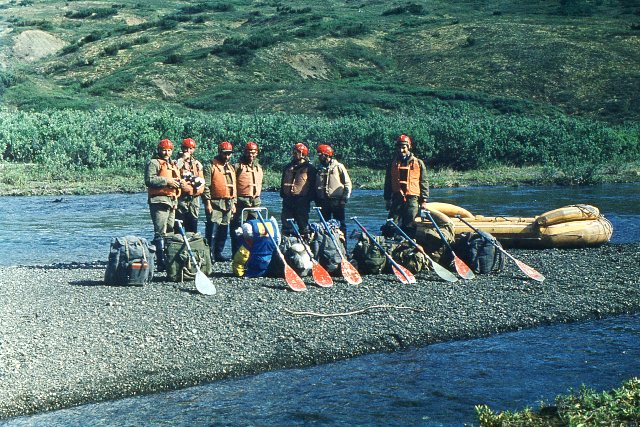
(233, 208)
(174, 183)
(207, 208)
(423, 205)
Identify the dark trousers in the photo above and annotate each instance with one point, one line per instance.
(298, 209)
(404, 213)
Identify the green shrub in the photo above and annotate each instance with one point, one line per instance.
(92, 13)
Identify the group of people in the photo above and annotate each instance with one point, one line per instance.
(175, 188)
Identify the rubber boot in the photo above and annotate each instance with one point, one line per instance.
(160, 260)
(219, 240)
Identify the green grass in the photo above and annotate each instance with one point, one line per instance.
(585, 407)
(574, 57)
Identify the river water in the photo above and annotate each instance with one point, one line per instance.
(437, 385)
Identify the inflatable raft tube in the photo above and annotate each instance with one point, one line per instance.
(574, 226)
(449, 209)
(568, 213)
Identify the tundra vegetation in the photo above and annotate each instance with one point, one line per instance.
(492, 92)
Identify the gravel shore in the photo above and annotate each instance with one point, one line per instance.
(67, 339)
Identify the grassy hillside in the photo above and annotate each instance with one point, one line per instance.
(545, 58)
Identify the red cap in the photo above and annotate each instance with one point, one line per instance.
(225, 146)
(301, 148)
(404, 139)
(325, 149)
(251, 146)
(165, 144)
(189, 143)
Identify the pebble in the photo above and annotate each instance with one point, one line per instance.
(67, 339)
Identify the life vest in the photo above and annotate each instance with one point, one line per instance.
(193, 168)
(223, 180)
(249, 178)
(254, 255)
(168, 169)
(296, 180)
(328, 182)
(406, 179)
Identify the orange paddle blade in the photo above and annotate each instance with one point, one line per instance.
(529, 271)
(293, 279)
(404, 275)
(350, 273)
(321, 276)
(463, 269)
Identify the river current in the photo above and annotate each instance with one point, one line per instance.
(437, 385)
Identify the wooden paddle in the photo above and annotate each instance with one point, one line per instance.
(529, 271)
(349, 272)
(293, 280)
(318, 272)
(203, 283)
(440, 270)
(463, 269)
(404, 275)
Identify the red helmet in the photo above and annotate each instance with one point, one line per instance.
(325, 149)
(301, 148)
(225, 146)
(188, 143)
(404, 139)
(251, 146)
(165, 144)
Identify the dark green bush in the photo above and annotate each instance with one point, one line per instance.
(92, 13)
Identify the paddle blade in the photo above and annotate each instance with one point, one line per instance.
(529, 271)
(321, 276)
(463, 269)
(404, 275)
(443, 272)
(293, 280)
(204, 284)
(350, 273)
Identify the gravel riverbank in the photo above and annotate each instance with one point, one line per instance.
(67, 339)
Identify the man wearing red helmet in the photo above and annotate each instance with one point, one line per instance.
(192, 174)
(219, 199)
(162, 178)
(249, 176)
(406, 187)
(332, 186)
(297, 189)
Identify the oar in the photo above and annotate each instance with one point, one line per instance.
(349, 272)
(529, 271)
(292, 278)
(463, 269)
(440, 270)
(404, 275)
(203, 283)
(318, 272)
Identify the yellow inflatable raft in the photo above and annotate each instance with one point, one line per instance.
(574, 226)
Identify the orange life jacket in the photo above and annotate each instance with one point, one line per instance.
(193, 168)
(249, 180)
(406, 179)
(167, 170)
(223, 180)
(296, 180)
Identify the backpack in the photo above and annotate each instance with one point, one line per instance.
(408, 256)
(480, 254)
(368, 258)
(295, 255)
(131, 261)
(323, 248)
(429, 238)
(179, 265)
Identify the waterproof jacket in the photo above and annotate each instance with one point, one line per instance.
(406, 178)
(333, 182)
